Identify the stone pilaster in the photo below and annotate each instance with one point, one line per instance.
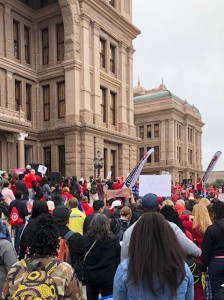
(2, 40)
(54, 158)
(96, 93)
(171, 143)
(87, 154)
(86, 114)
(21, 151)
(123, 160)
(73, 154)
(163, 142)
(10, 89)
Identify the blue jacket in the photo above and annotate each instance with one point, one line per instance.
(123, 289)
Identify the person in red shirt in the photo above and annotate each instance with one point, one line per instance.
(30, 181)
(117, 185)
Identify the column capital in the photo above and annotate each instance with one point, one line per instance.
(21, 136)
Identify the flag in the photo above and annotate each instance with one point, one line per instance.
(133, 176)
(210, 167)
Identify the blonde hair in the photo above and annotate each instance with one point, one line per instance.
(205, 202)
(201, 218)
(168, 202)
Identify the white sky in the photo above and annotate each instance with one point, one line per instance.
(183, 43)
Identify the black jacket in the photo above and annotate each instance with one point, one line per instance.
(21, 186)
(21, 207)
(213, 243)
(102, 260)
(76, 249)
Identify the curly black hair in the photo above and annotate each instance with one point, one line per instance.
(171, 215)
(43, 237)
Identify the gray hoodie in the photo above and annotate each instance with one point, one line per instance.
(188, 246)
(7, 258)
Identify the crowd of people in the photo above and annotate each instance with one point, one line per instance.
(123, 247)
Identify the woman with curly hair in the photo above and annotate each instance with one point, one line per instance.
(43, 243)
(155, 268)
(101, 259)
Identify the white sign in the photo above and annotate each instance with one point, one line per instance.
(221, 197)
(42, 169)
(155, 184)
(109, 175)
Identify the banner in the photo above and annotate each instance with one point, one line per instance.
(210, 167)
(133, 176)
(109, 194)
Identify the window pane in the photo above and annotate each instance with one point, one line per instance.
(17, 94)
(156, 130)
(28, 102)
(141, 132)
(156, 153)
(46, 102)
(16, 39)
(60, 42)
(27, 44)
(112, 108)
(149, 159)
(102, 53)
(45, 46)
(61, 100)
(112, 58)
(103, 103)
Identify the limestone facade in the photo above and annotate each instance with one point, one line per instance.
(174, 128)
(66, 85)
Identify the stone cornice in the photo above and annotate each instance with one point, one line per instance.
(112, 15)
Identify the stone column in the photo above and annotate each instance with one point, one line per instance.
(21, 152)
(86, 115)
(122, 103)
(2, 41)
(130, 102)
(163, 143)
(96, 73)
(185, 145)
(171, 142)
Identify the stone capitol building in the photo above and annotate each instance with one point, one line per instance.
(173, 128)
(66, 91)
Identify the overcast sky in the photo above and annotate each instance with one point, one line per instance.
(183, 43)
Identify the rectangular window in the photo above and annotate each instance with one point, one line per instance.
(17, 94)
(113, 108)
(141, 132)
(46, 102)
(61, 156)
(16, 39)
(28, 101)
(112, 58)
(156, 130)
(149, 131)
(156, 154)
(61, 100)
(103, 103)
(141, 153)
(27, 44)
(190, 156)
(60, 42)
(149, 159)
(179, 154)
(45, 46)
(102, 53)
(47, 159)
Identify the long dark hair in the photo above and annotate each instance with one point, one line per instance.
(39, 207)
(154, 252)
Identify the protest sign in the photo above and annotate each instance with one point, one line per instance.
(42, 169)
(125, 193)
(156, 184)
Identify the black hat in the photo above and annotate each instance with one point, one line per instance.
(61, 213)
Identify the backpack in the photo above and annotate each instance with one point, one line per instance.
(14, 218)
(93, 187)
(120, 228)
(37, 282)
(63, 251)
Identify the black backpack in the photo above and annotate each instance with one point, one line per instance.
(93, 188)
(120, 228)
